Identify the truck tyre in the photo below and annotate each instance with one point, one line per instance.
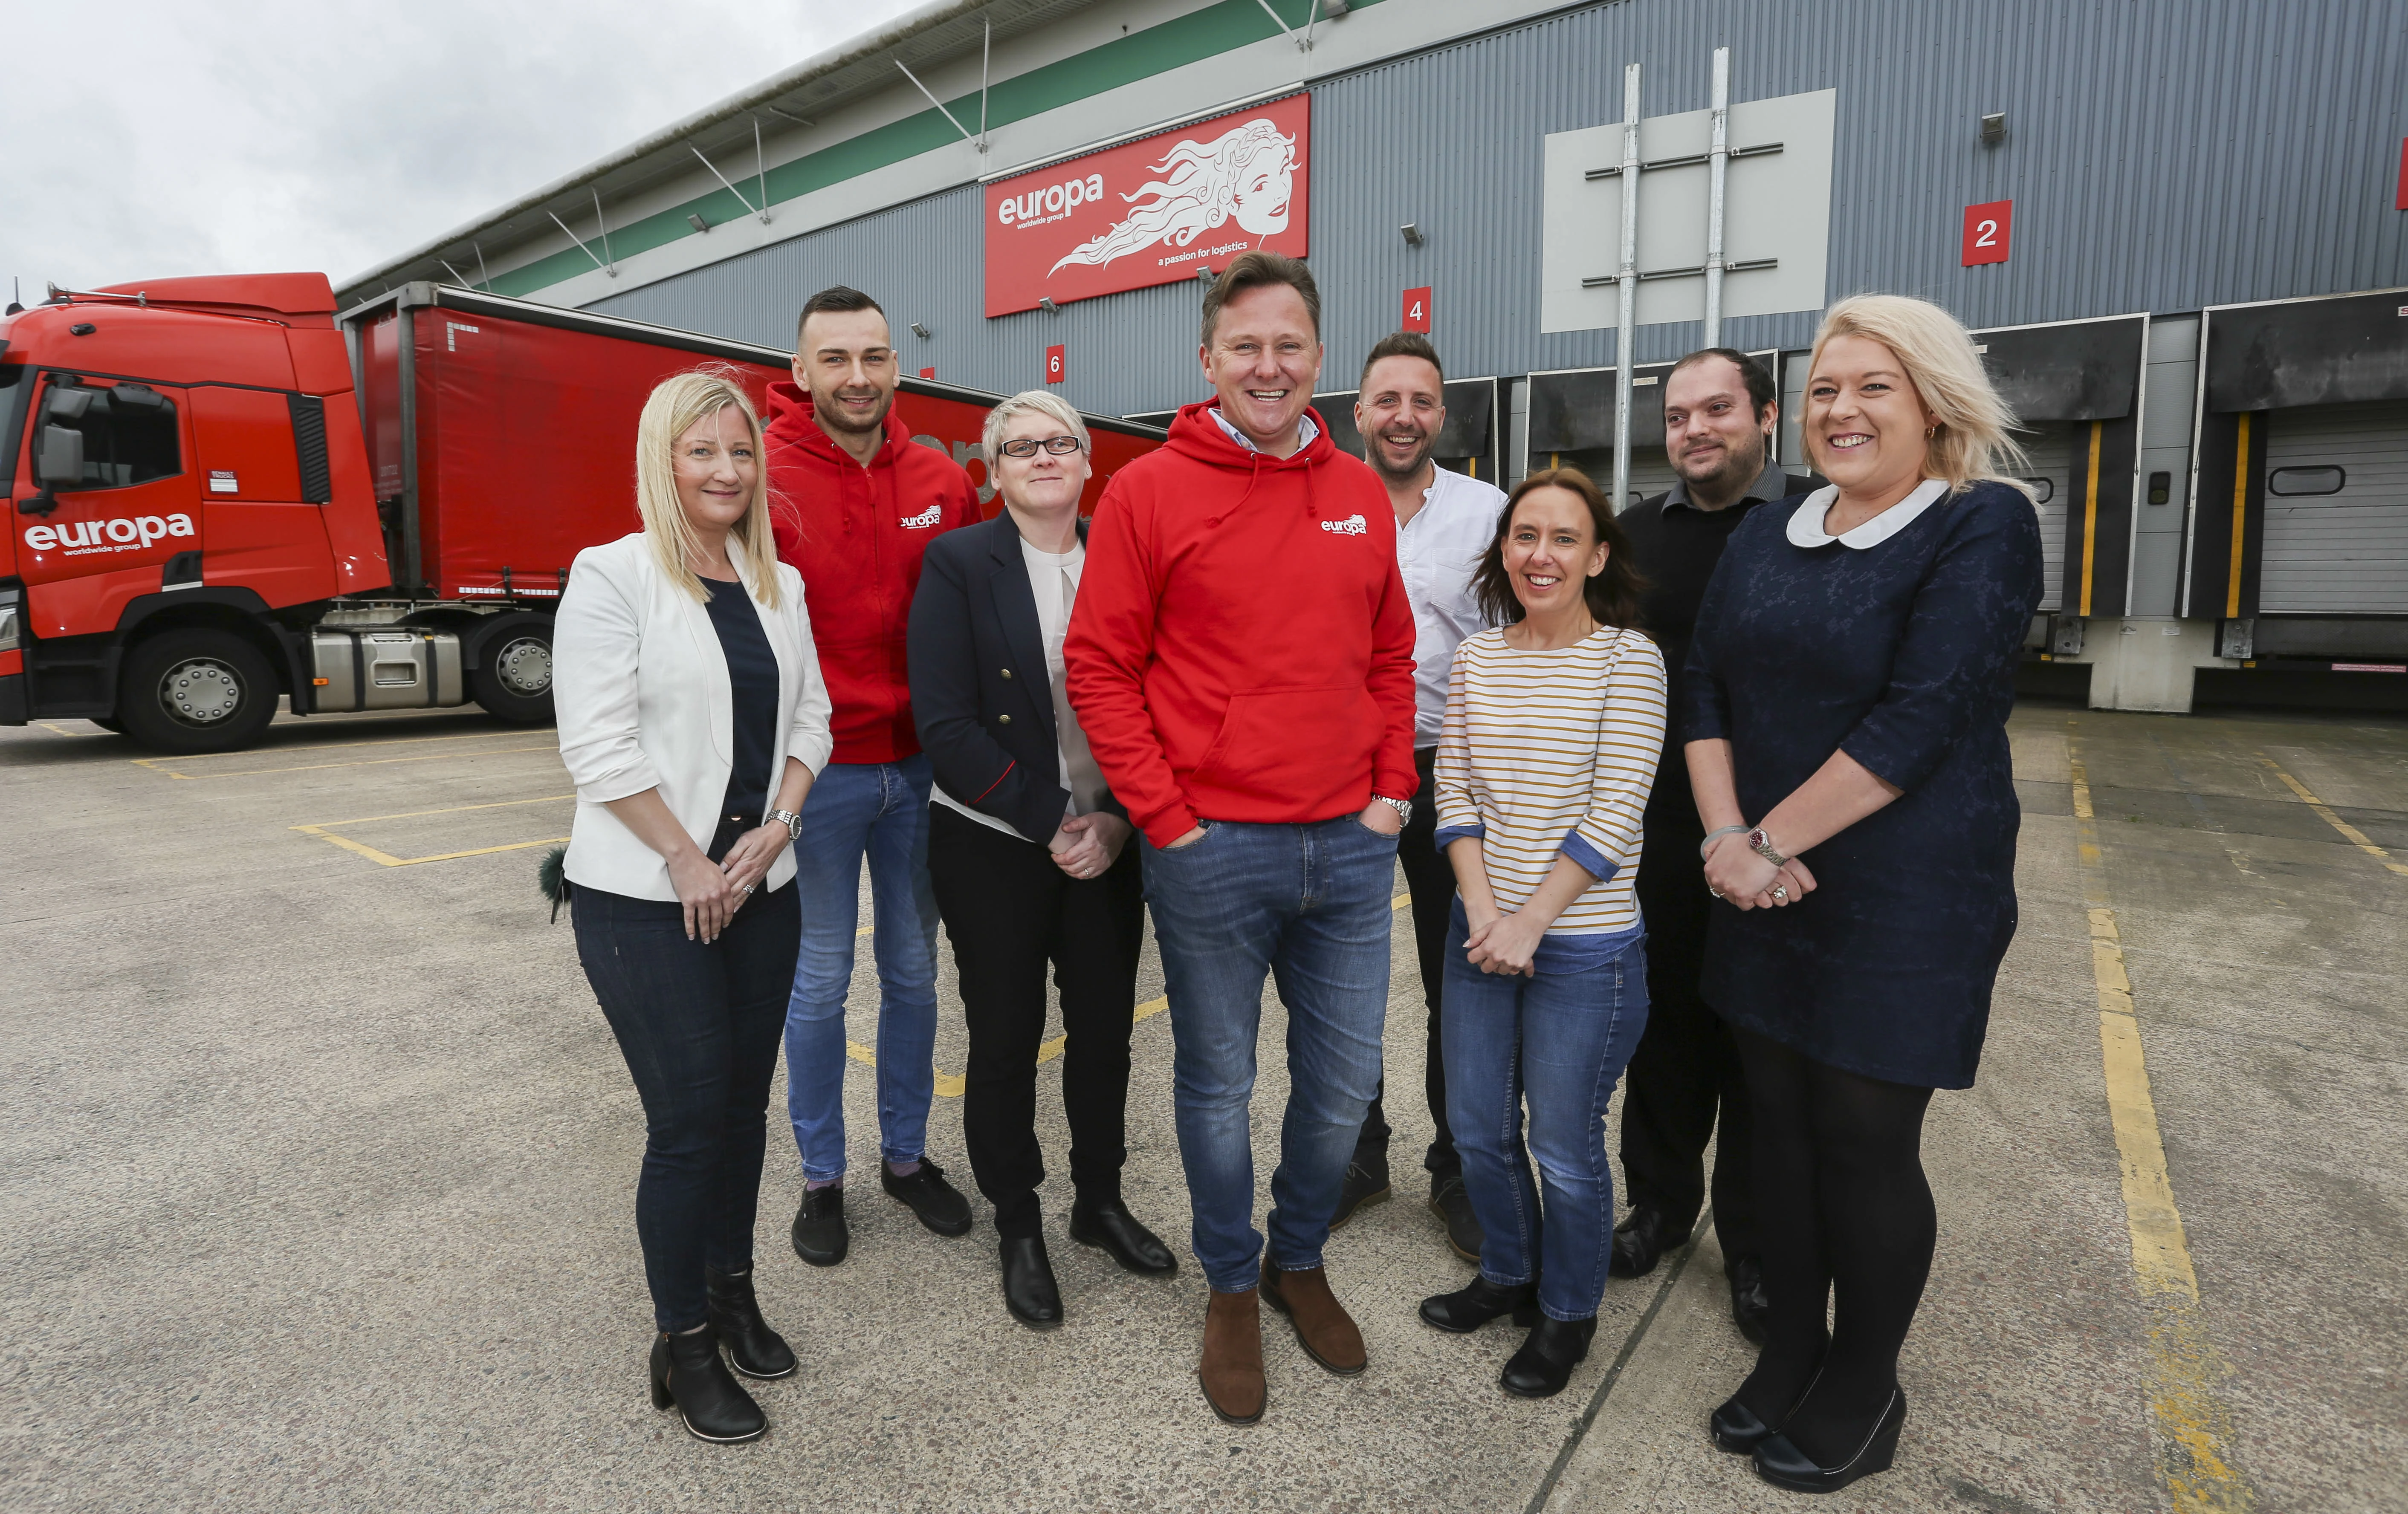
(196, 690)
(512, 677)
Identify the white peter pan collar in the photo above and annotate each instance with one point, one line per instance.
(1806, 521)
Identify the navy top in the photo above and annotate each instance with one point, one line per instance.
(752, 680)
(1902, 655)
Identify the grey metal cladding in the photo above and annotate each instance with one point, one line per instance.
(2162, 155)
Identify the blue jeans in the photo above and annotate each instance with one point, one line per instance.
(1560, 1041)
(1308, 905)
(879, 810)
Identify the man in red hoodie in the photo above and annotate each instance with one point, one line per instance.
(1241, 659)
(855, 503)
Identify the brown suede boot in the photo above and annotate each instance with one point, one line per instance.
(1232, 1369)
(1323, 1327)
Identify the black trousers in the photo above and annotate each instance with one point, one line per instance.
(699, 1025)
(1429, 877)
(1008, 911)
(1688, 1067)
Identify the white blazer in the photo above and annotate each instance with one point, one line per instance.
(640, 689)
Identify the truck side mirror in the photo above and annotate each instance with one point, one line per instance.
(66, 403)
(59, 462)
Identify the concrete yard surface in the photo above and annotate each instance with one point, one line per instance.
(318, 1162)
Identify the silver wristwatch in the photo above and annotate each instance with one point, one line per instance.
(1404, 808)
(791, 821)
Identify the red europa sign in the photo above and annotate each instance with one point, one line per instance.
(1150, 211)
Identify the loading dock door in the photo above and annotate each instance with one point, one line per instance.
(2050, 475)
(2336, 481)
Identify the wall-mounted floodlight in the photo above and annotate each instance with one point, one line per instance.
(920, 330)
(1204, 273)
(1413, 231)
(1045, 301)
(1994, 129)
(697, 223)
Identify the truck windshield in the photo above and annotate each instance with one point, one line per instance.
(14, 386)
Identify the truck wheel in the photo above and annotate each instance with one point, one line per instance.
(512, 677)
(196, 690)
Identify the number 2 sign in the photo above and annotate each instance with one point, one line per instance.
(1987, 227)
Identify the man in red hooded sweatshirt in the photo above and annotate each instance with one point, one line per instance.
(1241, 659)
(855, 503)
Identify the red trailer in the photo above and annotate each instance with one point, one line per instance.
(221, 494)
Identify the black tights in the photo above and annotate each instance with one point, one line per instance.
(1841, 1207)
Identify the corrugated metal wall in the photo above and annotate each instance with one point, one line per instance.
(2162, 155)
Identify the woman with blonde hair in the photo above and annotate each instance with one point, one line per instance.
(692, 720)
(1847, 697)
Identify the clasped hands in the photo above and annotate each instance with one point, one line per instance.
(713, 892)
(1746, 880)
(1086, 845)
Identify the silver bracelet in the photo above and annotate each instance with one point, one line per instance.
(1713, 836)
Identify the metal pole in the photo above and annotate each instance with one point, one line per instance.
(1718, 165)
(1627, 329)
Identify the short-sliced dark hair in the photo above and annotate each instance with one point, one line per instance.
(1760, 391)
(1412, 344)
(1613, 596)
(835, 299)
(1253, 270)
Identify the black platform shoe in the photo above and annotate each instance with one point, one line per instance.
(1545, 1362)
(752, 1348)
(1467, 1310)
(1785, 1465)
(1113, 1230)
(1735, 1427)
(1029, 1290)
(688, 1374)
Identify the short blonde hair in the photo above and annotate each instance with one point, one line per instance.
(1037, 401)
(1972, 444)
(674, 406)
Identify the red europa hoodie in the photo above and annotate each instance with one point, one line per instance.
(855, 534)
(1241, 647)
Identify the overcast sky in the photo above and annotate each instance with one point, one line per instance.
(146, 139)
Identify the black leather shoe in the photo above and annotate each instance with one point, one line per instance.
(821, 1236)
(1112, 1230)
(1365, 1184)
(1467, 1310)
(688, 1374)
(1735, 1427)
(1751, 1306)
(1545, 1362)
(1784, 1466)
(1452, 1204)
(1029, 1290)
(752, 1348)
(938, 1203)
(1637, 1243)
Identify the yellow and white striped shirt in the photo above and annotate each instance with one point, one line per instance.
(1553, 752)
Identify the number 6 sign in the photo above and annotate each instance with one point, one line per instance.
(1987, 227)
(1054, 365)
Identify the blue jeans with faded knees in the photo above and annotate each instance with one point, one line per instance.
(1308, 906)
(1559, 1041)
(878, 811)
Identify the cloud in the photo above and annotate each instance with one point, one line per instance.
(270, 135)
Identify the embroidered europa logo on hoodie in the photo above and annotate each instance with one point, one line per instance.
(931, 516)
(1354, 525)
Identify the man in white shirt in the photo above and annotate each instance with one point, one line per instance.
(1444, 521)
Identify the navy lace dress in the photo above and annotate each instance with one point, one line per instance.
(1895, 644)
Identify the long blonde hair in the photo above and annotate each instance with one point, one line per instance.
(675, 405)
(1972, 444)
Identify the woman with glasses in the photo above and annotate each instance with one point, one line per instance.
(1028, 852)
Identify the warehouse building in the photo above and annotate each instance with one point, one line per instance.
(2180, 228)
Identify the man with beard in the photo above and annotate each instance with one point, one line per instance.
(1720, 412)
(855, 503)
(1444, 521)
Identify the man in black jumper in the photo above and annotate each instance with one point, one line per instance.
(1720, 409)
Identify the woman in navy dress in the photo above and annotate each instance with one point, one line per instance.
(1845, 732)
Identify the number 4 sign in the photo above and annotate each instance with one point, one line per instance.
(1417, 311)
(1987, 227)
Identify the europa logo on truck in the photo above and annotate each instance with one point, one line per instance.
(116, 533)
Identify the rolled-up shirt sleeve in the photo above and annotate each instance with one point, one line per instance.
(596, 642)
(1630, 734)
(1450, 772)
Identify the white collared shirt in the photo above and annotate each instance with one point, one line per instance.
(1437, 552)
(1305, 431)
(1806, 521)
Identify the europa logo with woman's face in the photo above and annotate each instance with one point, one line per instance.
(1200, 198)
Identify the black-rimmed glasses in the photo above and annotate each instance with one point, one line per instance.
(1026, 445)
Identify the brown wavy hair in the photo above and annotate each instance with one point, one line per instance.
(1613, 596)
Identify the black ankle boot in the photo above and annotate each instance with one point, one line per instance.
(1467, 1310)
(1783, 1465)
(752, 1348)
(1545, 1362)
(688, 1373)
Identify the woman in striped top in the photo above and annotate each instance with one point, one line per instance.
(1553, 721)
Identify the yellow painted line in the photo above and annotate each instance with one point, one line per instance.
(324, 830)
(2194, 1429)
(2356, 838)
(51, 726)
(2090, 514)
(2240, 518)
(1401, 901)
(154, 762)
